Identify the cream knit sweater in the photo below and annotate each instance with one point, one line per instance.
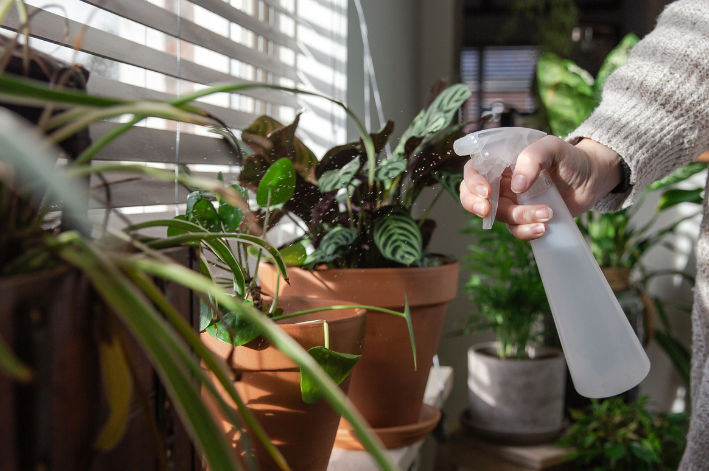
(655, 115)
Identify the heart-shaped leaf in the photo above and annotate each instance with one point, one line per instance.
(340, 178)
(204, 214)
(279, 182)
(336, 365)
(231, 216)
(234, 330)
(398, 237)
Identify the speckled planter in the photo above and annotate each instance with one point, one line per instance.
(516, 400)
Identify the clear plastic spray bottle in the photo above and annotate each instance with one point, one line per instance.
(603, 353)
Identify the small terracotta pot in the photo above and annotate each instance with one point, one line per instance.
(270, 385)
(385, 387)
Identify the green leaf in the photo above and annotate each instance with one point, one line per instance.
(409, 325)
(450, 180)
(615, 452)
(175, 231)
(678, 175)
(676, 196)
(205, 215)
(11, 365)
(279, 182)
(678, 354)
(397, 236)
(206, 316)
(566, 91)
(294, 255)
(616, 58)
(231, 216)
(336, 365)
(118, 388)
(437, 116)
(338, 178)
(388, 169)
(337, 242)
(234, 329)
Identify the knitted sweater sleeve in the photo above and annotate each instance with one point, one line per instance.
(655, 109)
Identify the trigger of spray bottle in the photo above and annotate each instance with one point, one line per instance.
(492, 151)
(603, 353)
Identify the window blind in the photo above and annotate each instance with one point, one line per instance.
(158, 49)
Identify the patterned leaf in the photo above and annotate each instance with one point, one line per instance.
(337, 242)
(336, 179)
(437, 116)
(450, 180)
(398, 237)
(388, 169)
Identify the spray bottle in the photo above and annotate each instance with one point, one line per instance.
(603, 353)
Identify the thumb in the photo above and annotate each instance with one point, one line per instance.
(532, 160)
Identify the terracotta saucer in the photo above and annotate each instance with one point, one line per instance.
(505, 438)
(393, 437)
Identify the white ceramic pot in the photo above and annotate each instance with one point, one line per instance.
(516, 400)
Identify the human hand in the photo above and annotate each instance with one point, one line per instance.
(583, 174)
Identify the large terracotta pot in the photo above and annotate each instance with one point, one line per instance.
(270, 385)
(385, 387)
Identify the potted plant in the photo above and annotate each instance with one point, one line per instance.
(355, 212)
(121, 269)
(614, 435)
(515, 386)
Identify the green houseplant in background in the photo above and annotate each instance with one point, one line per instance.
(619, 240)
(365, 246)
(121, 267)
(614, 435)
(526, 380)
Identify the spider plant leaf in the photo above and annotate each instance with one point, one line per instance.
(338, 178)
(175, 231)
(278, 182)
(281, 341)
(11, 365)
(676, 196)
(118, 388)
(165, 350)
(398, 237)
(409, 325)
(336, 365)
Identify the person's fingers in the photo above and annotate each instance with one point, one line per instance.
(476, 183)
(473, 203)
(532, 160)
(511, 213)
(527, 231)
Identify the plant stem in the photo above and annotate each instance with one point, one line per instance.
(265, 229)
(428, 210)
(337, 308)
(326, 333)
(349, 207)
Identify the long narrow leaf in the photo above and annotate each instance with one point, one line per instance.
(215, 365)
(11, 365)
(280, 340)
(677, 353)
(159, 342)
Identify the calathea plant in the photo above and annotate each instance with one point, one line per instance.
(355, 211)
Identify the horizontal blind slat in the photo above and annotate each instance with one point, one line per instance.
(158, 145)
(162, 20)
(235, 15)
(51, 27)
(98, 85)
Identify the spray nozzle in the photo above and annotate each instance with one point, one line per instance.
(492, 151)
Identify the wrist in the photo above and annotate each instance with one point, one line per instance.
(607, 169)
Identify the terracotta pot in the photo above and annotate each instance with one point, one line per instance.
(516, 400)
(385, 387)
(270, 385)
